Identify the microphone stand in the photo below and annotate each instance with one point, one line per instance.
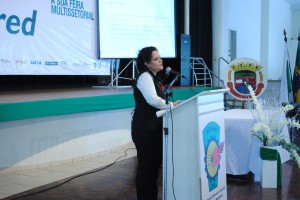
(168, 92)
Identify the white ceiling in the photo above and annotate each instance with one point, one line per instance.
(295, 4)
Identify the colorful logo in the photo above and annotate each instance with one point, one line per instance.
(244, 71)
(4, 61)
(20, 62)
(213, 149)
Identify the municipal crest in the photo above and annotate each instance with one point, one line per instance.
(242, 72)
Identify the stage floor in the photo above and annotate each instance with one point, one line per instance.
(33, 95)
(117, 181)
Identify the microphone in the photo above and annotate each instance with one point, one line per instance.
(171, 71)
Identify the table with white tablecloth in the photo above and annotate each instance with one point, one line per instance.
(242, 148)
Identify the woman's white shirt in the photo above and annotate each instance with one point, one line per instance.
(146, 85)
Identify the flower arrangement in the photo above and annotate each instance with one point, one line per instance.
(270, 123)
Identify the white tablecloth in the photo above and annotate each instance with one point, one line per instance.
(242, 148)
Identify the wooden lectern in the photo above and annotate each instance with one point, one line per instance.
(194, 164)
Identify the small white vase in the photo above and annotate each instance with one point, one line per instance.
(269, 172)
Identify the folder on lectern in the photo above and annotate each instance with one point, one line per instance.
(194, 164)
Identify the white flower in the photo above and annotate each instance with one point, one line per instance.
(270, 122)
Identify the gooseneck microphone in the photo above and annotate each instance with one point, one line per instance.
(175, 73)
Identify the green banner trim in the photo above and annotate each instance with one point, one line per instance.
(272, 154)
(43, 108)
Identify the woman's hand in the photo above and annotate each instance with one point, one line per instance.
(175, 103)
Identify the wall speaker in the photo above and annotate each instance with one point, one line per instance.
(185, 55)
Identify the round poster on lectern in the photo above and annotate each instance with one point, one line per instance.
(242, 72)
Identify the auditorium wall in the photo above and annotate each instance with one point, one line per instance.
(259, 26)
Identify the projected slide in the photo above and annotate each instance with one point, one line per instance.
(127, 26)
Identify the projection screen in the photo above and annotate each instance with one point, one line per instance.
(127, 26)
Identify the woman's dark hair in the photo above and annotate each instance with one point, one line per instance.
(144, 55)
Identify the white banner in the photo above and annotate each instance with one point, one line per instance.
(53, 37)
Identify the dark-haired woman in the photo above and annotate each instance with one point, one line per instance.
(146, 128)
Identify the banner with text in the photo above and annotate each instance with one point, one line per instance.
(53, 37)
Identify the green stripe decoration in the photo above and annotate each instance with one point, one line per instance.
(271, 155)
(43, 108)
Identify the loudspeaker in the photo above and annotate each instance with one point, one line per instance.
(185, 55)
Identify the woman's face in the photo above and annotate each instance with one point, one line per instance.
(156, 63)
